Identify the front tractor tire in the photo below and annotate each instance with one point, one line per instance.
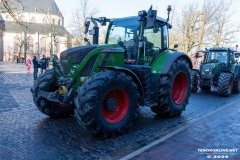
(106, 103)
(225, 84)
(194, 81)
(236, 83)
(46, 82)
(174, 90)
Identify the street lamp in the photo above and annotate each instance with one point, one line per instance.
(37, 35)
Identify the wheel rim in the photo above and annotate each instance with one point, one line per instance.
(230, 85)
(179, 89)
(117, 112)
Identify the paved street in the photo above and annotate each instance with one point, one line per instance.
(28, 134)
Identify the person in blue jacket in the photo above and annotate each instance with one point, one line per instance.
(35, 68)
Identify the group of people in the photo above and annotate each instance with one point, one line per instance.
(42, 64)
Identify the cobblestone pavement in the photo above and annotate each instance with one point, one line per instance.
(26, 133)
(215, 136)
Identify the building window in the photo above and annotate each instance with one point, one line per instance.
(44, 20)
(59, 22)
(33, 20)
(15, 44)
(53, 21)
(43, 45)
(30, 44)
(22, 18)
(8, 18)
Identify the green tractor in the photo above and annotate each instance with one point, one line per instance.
(218, 69)
(105, 84)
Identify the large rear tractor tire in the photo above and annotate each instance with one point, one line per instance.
(194, 79)
(174, 90)
(225, 84)
(106, 103)
(236, 83)
(46, 82)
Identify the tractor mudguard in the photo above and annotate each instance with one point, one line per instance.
(175, 55)
(163, 62)
(131, 74)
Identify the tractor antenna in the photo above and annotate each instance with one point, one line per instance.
(169, 10)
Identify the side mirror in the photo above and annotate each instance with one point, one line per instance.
(86, 24)
(237, 55)
(151, 18)
(175, 46)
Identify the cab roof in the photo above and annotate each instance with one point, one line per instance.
(134, 18)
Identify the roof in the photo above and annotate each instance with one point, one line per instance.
(34, 6)
(220, 49)
(134, 19)
(44, 29)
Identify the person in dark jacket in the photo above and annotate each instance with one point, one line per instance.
(35, 67)
(43, 63)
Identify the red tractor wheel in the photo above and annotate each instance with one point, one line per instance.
(225, 84)
(106, 103)
(174, 90)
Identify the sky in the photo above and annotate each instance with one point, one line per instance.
(123, 8)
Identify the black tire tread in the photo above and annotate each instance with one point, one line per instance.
(236, 88)
(194, 81)
(223, 81)
(45, 82)
(165, 107)
(88, 98)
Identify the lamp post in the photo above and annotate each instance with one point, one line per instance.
(37, 34)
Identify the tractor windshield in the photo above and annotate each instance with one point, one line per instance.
(123, 30)
(217, 57)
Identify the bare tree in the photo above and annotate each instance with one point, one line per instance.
(86, 10)
(189, 27)
(223, 32)
(206, 14)
(8, 8)
(203, 26)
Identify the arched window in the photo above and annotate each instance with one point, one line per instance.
(30, 44)
(33, 20)
(43, 45)
(59, 22)
(53, 21)
(44, 20)
(22, 18)
(8, 18)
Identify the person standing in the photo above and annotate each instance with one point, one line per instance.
(35, 68)
(28, 63)
(43, 63)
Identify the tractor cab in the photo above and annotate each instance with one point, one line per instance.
(142, 37)
(141, 44)
(222, 58)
